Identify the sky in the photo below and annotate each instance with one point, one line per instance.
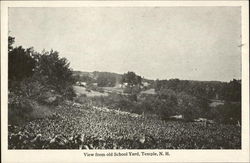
(191, 43)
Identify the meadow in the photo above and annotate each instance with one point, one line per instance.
(77, 126)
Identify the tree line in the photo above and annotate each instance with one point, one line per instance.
(191, 99)
(228, 91)
(36, 78)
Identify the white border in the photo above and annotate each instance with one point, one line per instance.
(76, 155)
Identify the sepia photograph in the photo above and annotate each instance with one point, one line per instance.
(121, 78)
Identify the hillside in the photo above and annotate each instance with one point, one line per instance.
(88, 127)
(218, 90)
(95, 74)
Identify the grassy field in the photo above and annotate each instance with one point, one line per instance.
(91, 93)
(121, 131)
(113, 89)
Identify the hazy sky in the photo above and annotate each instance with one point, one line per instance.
(196, 43)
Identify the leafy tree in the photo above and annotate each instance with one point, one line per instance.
(46, 70)
(21, 64)
(132, 79)
(11, 41)
(106, 80)
(232, 91)
(228, 113)
(133, 84)
(87, 79)
(188, 106)
(54, 70)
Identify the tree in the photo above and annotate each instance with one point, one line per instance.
(106, 80)
(132, 79)
(54, 70)
(21, 64)
(133, 84)
(232, 91)
(86, 79)
(230, 113)
(188, 106)
(11, 41)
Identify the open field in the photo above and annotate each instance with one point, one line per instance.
(75, 126)
(91, 93)
(113, 89)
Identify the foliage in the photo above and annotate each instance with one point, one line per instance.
(36, 78)
(20, 64)
(81, 99)
(45, 78)
(230, 91)
(45, 70)
(56, 70)
(131, 79)
(106, 80)
(19, 108)
(164, 104)
(86, 127)
(229, 113)
(83, 78)
(132, 90)
(11, 41)
(94, 88)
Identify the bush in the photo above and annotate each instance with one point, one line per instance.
(94, 88)
(127, 90)
(69, 93)
(229, 113)
(31, 88)
(106, 80)
(81, 99)
(19, 108)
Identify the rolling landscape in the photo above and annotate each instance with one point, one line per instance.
(104, 110)
(169, 77)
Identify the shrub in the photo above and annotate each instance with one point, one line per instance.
(127, 90)
(68, 93)
(95, 88)
(81, 99)
(19, 108)
(106, 80)
(229, 113)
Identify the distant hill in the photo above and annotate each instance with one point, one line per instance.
(94, 75)
(206, 89)
(82, 73)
